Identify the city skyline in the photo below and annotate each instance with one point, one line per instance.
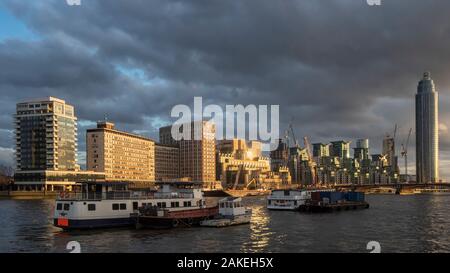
(342, 91)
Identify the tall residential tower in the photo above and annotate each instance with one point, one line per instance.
(46, 135)
(427, 134)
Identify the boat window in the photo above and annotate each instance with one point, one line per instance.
(66, 206)
(135, 205)
(159, 205)
(164, 204)
(123, 206)
(115, 206)
(59, 206)
(91, 207)
(175, 204)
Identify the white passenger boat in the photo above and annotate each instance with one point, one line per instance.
(102, 205)
(231, 212)
(287, 199)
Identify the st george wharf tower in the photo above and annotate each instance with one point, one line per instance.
(427, 131)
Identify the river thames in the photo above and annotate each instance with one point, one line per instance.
(412, 223)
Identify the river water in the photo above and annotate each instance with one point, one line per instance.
(414, 223)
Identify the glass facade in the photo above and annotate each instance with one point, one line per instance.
(46, 136)
(66, 144)
(33, 149)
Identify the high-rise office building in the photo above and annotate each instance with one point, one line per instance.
(427, 134)
(167, 162)
(46, 135)
(165, 136)
(120, 155)
(198, 154)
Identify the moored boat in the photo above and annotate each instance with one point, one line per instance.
(187, 213)
(105, 205)
(231, 212)
(287, 199)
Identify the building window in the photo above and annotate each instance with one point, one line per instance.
(91, 207)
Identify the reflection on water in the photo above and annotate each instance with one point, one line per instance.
(413, 223)
(260, 232)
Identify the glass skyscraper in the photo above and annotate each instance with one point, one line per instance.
(427, 134)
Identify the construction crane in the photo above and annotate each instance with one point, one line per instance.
(404, 154)
(312, 163)
(291, 129)
(236, 181)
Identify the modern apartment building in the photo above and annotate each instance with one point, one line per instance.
(46, 146)
(340, 149)
(321, 150)
(46, 135)
(120, 155)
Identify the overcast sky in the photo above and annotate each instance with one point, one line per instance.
(340, 69)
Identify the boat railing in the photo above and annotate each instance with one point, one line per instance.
(173, 195)
(286, 197)
(121, 195)
(116, 195)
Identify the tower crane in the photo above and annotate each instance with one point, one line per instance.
(312, 163)
(291, 129)
(404, 153)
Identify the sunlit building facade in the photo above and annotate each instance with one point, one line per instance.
(427, 134)
(167, 162)
(120, 155)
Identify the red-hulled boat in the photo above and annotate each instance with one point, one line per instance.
(174, 213)
(158, 218)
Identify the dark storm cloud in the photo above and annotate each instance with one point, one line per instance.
(339, 68)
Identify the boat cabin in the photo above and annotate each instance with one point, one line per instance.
(169, 190)
(99, 191)
(285, 193)
(231, 206)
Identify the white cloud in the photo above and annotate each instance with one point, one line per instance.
(6, 156)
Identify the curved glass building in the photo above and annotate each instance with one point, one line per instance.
(427, 134)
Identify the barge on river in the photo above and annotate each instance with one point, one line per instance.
(105, 205)
(334, 201)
